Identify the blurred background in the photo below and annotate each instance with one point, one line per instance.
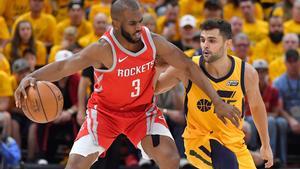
(34, 33)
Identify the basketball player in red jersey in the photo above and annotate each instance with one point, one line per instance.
(124, 60)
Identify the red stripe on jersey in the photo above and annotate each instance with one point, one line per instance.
(128, 85)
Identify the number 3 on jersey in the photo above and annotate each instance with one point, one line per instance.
(136, 85)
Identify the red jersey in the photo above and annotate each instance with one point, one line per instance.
(128, 84)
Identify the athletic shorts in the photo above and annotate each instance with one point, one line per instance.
(101, 128)
(206, 153)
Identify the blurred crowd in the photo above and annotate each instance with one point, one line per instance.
(34, 33)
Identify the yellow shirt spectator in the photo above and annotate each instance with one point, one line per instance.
(53, 52)
(268, 50)
(256, 31)
(161, 23)
(5, 85)
(84, 28)
(90, 3)
(277, 68)
(13, 9)
(192, 7)
(4, 33)
(292, 27)
(40, 52)
(230, 10)
(44, 26)
(99, 8)
(88, 39)
(4, 64)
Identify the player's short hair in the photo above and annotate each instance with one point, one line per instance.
(223, 26)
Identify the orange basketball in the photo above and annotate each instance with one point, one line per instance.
(44, 102)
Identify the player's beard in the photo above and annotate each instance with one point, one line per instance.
(215, 56)
(127, 36)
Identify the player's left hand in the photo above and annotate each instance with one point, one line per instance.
(266, 154)
(223, 110)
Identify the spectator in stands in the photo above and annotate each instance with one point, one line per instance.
(187, 29)
(4, 33)
(100, 25)
(75, 19)
(289, 88)
(276, 124)
(232, 8)
(284, 9)
(10, 153)
(11, 10)
(241, 47)
(213, 9)
(102, 7)
(277, 67)
(30, 56)
(23, 38)
(196, 50)
(5, 93)
(168, 24)
(293, 25)
(20, 123)
(256, 29)
(236, 25)
(191, 7)
(271, 47)
(69, 39)
(43, 24)
(4, 64)
(150, 22)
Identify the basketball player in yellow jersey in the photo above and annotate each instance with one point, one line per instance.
(212, 142)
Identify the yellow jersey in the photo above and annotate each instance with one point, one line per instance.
(202, 122)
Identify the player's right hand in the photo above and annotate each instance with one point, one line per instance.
(21, 89)
(224, 110)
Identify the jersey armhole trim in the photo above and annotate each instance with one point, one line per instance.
(114, 57)
(187, 90)
(148, 33)
(243, 78)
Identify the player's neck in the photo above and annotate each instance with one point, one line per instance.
(133, 47)
(220, 67)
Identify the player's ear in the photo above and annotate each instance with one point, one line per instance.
(228, 43)
(116, 24)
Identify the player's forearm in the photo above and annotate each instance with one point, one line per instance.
(198, 77)
(261, 122)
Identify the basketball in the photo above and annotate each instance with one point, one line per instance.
(44, 102)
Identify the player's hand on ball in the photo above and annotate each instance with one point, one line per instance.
(20, 91)
(266, 154)
(224, 110)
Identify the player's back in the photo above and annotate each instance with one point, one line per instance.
(128, 84)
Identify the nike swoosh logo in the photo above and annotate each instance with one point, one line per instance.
(121, 60)
(161, 117)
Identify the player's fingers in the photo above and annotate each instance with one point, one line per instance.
(269, 163)
(222, 119)
(237, 112)
(17, 98)
(33, 82)
(234, 120)
(23, 92)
